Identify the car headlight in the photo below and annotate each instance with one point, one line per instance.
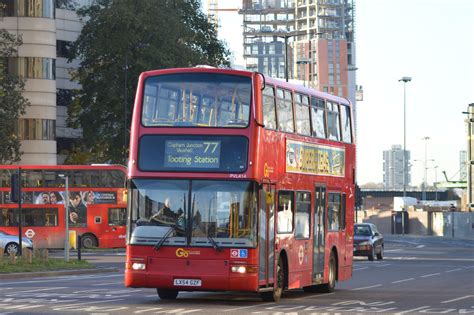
(364, 243)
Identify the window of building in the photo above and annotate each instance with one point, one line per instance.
(64, 97)
(318, 118)
(62, 48)
(286, 204)
(28, 8)
(303, 215)
(32, 67)
(269, 114)
(285, 111)
(36, 129)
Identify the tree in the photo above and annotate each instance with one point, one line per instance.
(12, 102)
(121, 39)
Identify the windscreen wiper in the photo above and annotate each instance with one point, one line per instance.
(173, 228)
(214, 244)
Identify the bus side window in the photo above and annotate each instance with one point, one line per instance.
(117, 216)
(334, 211)
(346, 124)
(285, 111)
(268, 107)
(303, 126)
(285, 211)
(302, 215)
(334, 128)
(318, 118)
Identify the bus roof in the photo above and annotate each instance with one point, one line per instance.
(274, 81)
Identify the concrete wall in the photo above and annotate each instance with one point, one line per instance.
(448, 224)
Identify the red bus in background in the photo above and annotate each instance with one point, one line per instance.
(238, 182)
(97, 205)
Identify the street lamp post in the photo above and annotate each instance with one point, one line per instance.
(303, 62)
(425, 170)
(404, 80)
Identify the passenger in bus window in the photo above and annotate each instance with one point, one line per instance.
(77, 210)
(45, 198)
(56, 198)
(165, 214)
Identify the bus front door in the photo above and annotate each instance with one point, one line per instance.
(319, 233)
(266, 235)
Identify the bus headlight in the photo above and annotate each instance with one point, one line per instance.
(244, 269)
(138, 266)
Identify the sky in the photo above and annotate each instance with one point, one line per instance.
(431, 41)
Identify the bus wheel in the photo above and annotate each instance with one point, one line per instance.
(11, 249)
(167, 294)
(275, 295)
(331, 285)
(89, 241)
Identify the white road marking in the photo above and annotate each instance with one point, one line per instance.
(430, 275)
(369, 287)
(313, 296)
(457, 299)
(244, 307)
(42, 280)
(453, 270)
(412, 310)
(361, 268)
(109, 283)
(384, 265)
(420, 246)
(45, 289)
(404, 280)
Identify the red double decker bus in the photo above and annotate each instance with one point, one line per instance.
(97, 204)
(238, 182)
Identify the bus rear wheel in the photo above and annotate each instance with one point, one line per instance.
(167, 294)
(331, 285)
(275, 295)
(89, 241)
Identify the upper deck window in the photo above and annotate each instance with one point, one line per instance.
(197, 99)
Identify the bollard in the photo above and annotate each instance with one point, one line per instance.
(2, 252)
(28, 256)
(79, 247)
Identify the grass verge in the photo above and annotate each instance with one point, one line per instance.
(22, 265)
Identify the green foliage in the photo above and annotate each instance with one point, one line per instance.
(121, 39)
(12, 102)
(22, 265)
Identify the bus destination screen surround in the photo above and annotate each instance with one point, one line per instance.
(197, 100)
(175, 153)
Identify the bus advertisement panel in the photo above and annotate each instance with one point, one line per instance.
(238, 182)
(97, 204)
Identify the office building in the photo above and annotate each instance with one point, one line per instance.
(393, 167)
(46, 27)
(317, 34)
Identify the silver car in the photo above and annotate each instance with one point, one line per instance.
(9, 243)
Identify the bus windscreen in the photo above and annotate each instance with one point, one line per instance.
(197, 99)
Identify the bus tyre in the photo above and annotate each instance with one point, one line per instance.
(167, 294)
(275, 295)
(11, 249)
(331, 285)
(380, 255)
(89, 241)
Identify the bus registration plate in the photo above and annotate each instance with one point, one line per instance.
(187, 282)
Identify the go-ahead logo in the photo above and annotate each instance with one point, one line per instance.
(183, 253)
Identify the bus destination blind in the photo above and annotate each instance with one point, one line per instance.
(192, 154)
